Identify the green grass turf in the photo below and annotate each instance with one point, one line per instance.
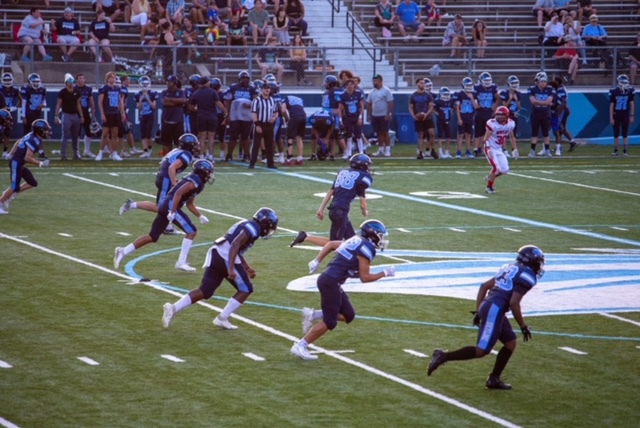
(55, 310)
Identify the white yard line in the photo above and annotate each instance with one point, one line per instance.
(172, 358)
(416, 353)
(5, 365)
(7, 424)
(253, 356)
(89, 361)
(572, 350)
(619, 318)
(585, 186)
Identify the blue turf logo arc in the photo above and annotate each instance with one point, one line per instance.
(572, 284)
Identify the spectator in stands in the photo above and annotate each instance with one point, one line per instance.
(199, 10)
(259, 22)
(553, 34)
(167, 39)
(281, 27)
(267, 59)
(236, 8)
(542, 9)
(298, 55)
(236, 32)
(479, 34)
(110, 7)
(574, 29)
(585, 8)
(140, 10)
(68, 29)
(99, 30)
(384, 17)
(432, 13)
(295, 13)
(212, 33)
(408, 14)
(634, 59)
(567, 57)
(29, 35)
(190, 38)
(221, 7)
(174, 11)
(456, 36)
(595, 35)
(150, 35)
(156, 9)
(561, 5)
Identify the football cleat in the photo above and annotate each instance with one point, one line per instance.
(490, 190)
(169, 311)
(126, 206)
(307, 320)
(494, 382)
(184, 267)
(224, 323)
(302, 235)
(438, 359)
(302, 353)
(117, 258)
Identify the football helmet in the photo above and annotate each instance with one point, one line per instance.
(7, 79)
(258, 84)
(118, 82)
(188, 142)
(623, 81)
(322, 150)
(330, 81)
(467, 84)
(194, 79)
(244, 75)
(216, 83)
(375, 232)
(445, 94)
(274, 87)
(541, 77)
(6, 120)
(360, 162)
(485, 79)
(126, 127)
(34, 80)
(95, 129)
(145, 83)
(270, 78)
(41, 128)
(268, 221)
(502, 114)
(514, 82)
(428, 85)
(204, 169)
(533, 257)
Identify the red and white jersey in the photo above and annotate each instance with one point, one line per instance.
(499, 133)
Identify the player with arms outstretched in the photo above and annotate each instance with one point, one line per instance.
(498, 130)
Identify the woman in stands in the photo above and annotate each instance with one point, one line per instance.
(281, 27)
(567, 57)
(295, 13)
(190, 38)
(298, 59)
(634, 59)
(384, 17)
(479, 33)
(140, 10)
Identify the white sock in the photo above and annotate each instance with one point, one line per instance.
(87, 144)
(360, 145)
(231, 307)
(129, 249)
(184, 251)
(182, 303)
(134, 205)
(222, 154)
(303, 343)
(317, 315)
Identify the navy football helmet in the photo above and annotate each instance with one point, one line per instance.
(7, 79)
(194, 79)
(322, 150)
(467, 84)
(533, 257)
(145, 83)
(428, 85)
(330, 81)
(203, 168)
(445, 94)
(361, 162)
(376, 232)
(95, 129)
(189, 143)
(623, 81)
(41, 128)
(514, 82)
(485, 79)
(244, 75)
(6, 119)
(258, 84)
(268, 221)
(216, 83)
(34, 80)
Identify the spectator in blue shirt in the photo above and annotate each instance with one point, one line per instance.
(594, 34)
(408, 14)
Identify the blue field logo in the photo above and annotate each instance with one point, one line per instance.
(607, 281)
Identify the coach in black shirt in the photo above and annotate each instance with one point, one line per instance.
(264, 114)
(69, 115)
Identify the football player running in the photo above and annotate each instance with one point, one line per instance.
(225, 260)
(170, 211)
(495, 298)
(497, 131)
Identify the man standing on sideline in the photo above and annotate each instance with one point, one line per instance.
(421, 109)
(379, 109)
(352, 112)
(264, 113)
(88, 105)
(237, 101)
(205, 99)
(173, 101)
(72, 116)
(505, 291)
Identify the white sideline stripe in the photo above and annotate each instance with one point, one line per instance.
(290, 338)
(7, 424)
(253, 356)
(631, 171)
(89, 361)
(512, 229)
(462, 172)
(416, 353)
(124, 189)
(341, 351)
(547, 172)
(114, 174)
(573, 351)
(66, 235)
(622, 192)
(619, 318)
(5, 365)
(172, 358)
(455, 229)
(401, 229)
(123, 233)
(618, 228)
(589, 172)
(416, 172)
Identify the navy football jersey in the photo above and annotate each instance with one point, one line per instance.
(486, 97)
(513, 103)
(295, 106)
(111, 100)
(252, 229)
(621, 98)
(351, 103)
(348, 184)
(11, 95)
(444, 109)
(33, 99)
(146, 108)
(28, 142)
(167, 203)
(239, 96)
(322, 114)
(171, 157)
(345, 264)
(86, 92)
(510, 278)
(420, 101)
(465, 104)
(542, 95)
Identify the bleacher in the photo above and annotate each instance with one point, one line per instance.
(512, 36)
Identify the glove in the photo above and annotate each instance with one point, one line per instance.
(515, 154)
(526, 333)
(390, 271)
(44, 163)
(476, 318)
(313, 265)
(203, 219)
(171, 216)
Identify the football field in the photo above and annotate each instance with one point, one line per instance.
(82, 344)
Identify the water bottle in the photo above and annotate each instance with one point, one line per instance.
(159, 68)
(47, 33)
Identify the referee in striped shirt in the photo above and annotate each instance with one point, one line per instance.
(264, 113)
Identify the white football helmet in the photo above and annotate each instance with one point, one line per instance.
(467, 84)
(7, 79)
(541, 77)
(145, 83)
(445, 94)
(623, 81)
(34, 80)
(485, 79)
(514, 82)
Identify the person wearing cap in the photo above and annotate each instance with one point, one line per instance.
(595, 35)
(68, 113)
(205, 100)
(408, 14)
(29, 34)
(379, 110)
(455, 35)
(68, 29)
(172, 120)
